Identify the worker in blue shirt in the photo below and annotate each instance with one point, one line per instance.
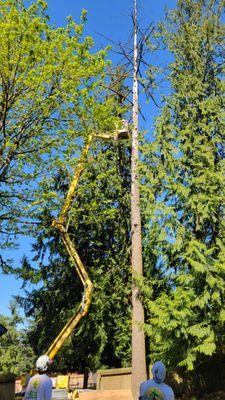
(156, 389)
(40, 385)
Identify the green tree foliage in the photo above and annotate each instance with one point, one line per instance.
(183, 193)
(52, 99)
(16, 356)
(99, 226)
(49, 85)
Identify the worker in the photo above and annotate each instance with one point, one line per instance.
(40, 385)
(155, 389)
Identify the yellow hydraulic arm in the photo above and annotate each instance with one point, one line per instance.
(61, 225)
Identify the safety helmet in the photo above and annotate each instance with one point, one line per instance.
(42, 363)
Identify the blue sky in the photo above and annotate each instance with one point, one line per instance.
(108, 18)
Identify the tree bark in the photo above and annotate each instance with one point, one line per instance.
(86, 376)
(138, 337)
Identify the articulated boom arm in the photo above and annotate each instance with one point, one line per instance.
(61, 225)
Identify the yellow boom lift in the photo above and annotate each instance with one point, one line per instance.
(62, 225)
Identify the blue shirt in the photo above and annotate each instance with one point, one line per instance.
(151, 390)
(39, 388)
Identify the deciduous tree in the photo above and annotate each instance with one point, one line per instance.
(47, 80)
(16, 356)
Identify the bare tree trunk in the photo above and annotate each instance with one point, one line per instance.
(86, 376)
(138, 337)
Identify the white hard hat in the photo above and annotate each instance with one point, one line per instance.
(43, 362)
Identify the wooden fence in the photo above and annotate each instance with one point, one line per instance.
(106, 395)
(112, 384)
(7, 387)
(114, 379)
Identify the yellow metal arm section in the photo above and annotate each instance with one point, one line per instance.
(61, 224)
(70, 195)
(74, 258)
(84, 305)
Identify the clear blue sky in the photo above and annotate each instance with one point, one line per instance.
(112, 19)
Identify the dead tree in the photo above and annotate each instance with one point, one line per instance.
(132, 60)
(138, 337)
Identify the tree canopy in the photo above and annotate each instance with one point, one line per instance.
(184, 169)
(99, 226)
(70, 77)
(50, 85)
(16, 355)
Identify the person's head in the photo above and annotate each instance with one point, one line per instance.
(159, 372)
(42, 364)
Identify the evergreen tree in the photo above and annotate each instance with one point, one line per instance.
(184, 188)
(100, 228)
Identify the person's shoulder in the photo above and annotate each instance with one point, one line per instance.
(148, 382)
(144, 385)
(34, 381)
(169, 392)
(48, 379)
(34, 377)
